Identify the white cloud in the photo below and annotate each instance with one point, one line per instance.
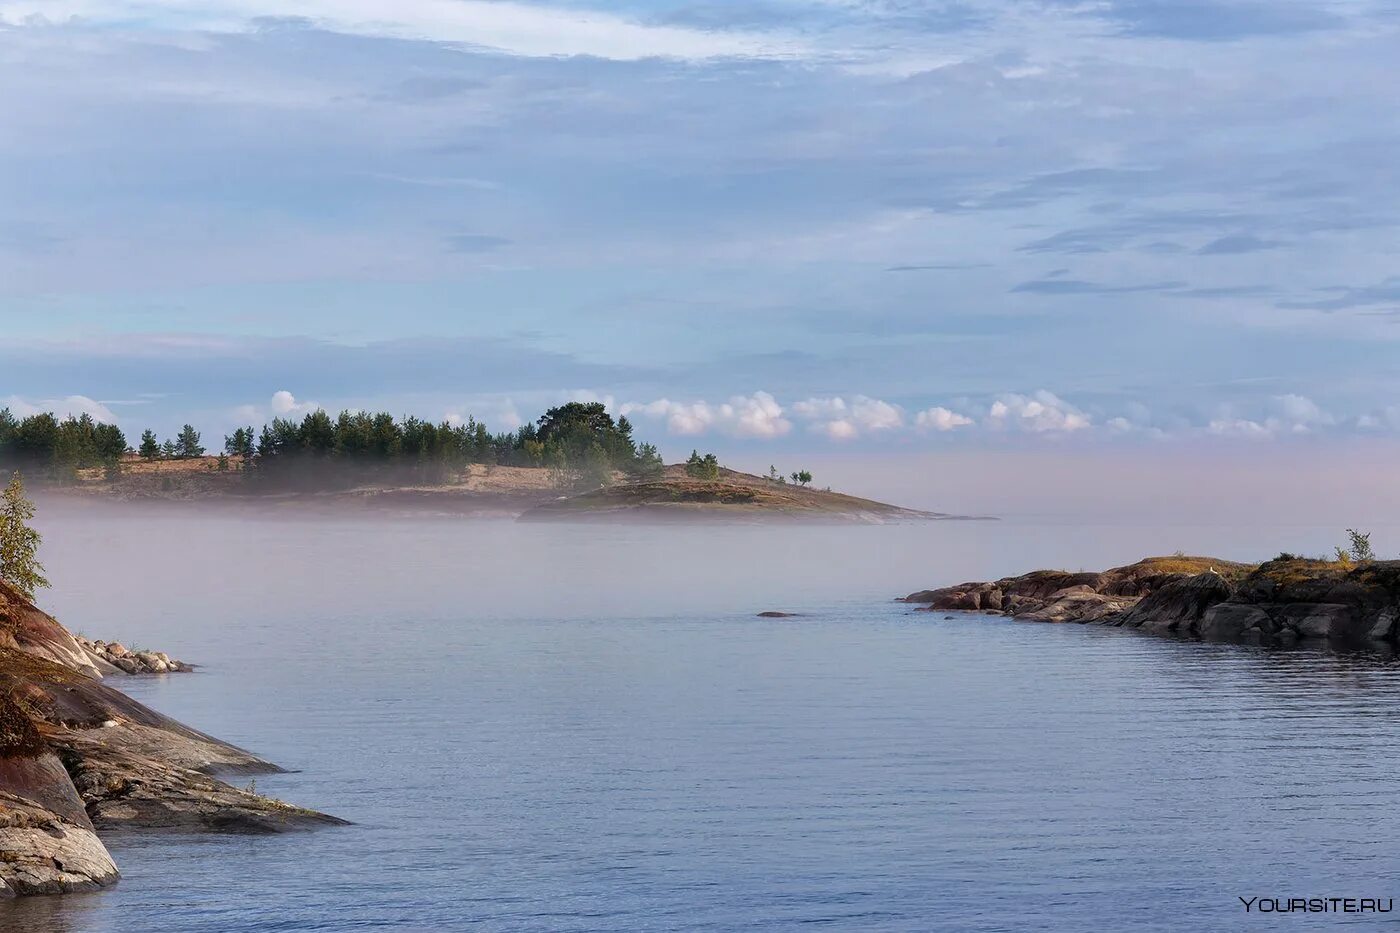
(939, 418)
(518, 28)
(839, 430)
(841, 420)
(500, 414)
(1286, 414)
(757, 415)
(588, 396)
(74, 405)
(1040, 412)
(1301, 410)
(1243, 427)
(283, 404)
(1387, 418)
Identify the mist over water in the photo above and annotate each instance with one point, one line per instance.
(575, 727)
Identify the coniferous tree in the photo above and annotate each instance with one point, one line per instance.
(649, 463)
(8, 424)
(706, 467)
(19, 543)
(150, 447)
(240, 443)
(187, 443)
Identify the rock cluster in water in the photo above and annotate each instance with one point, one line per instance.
(113, 656)
(78, 757)
(1277, 602)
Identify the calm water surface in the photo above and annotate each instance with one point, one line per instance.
(541, 728)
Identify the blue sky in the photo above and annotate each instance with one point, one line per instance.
(804, 226)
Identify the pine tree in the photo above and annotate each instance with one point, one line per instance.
(706, 467)
(19, 543)
(150, 447)
(649, 464)
(187, 443)
(240, 443)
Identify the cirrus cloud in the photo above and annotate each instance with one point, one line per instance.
(523, 29)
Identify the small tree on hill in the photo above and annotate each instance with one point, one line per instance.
(168, 450)
(1360, 549)
(187, 443)
(150, 447)
(240, 443)
(649, 464)
(594, 471)
(706, 467)
(19, 543)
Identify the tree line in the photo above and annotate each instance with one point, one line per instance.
(46, 446)
(581, 441)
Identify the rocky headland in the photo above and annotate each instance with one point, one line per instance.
(79, 758)
(532, 494)
(1281, 601)
(731, 496)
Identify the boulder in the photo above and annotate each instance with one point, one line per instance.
(1078, 604)
(48, 843)
(1229, 622)
(1322, 620)
(1384, 626)
(1178, 606)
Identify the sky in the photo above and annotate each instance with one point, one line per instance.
(780, 229)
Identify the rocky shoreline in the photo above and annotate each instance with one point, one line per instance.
(78, 758)
(114, 657)
(1279, 602)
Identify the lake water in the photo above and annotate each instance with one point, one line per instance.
(571, 728)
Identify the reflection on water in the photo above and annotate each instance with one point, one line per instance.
(575, 729)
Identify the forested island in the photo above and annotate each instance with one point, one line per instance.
(576, 460)
(580, 440)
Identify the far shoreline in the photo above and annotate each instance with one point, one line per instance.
(497, 493)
